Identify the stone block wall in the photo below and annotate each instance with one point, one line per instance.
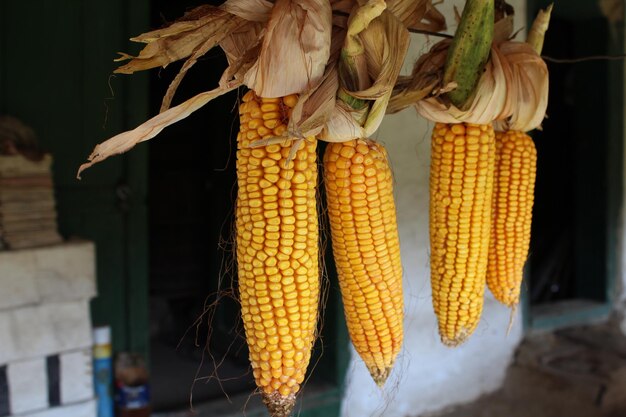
(45, 331)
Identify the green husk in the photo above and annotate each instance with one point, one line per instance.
(537, 32)
(469, 52)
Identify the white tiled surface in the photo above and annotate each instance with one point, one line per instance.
(76, 375)
(28, 385)
(85, 409)
(50, 274)
(42, 330)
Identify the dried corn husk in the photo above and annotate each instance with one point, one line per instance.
(528, 88)
(202, 25)
(371, 59)
(513, 90)
(249, 10)
(419, 15)
(257, 36)
(295, 50)
(127, 140)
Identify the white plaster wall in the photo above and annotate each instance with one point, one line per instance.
(428, 376)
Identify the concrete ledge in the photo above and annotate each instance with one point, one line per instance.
(49, 274)
(43, 330)
(76, 376)
(85, 409)
(28, 385)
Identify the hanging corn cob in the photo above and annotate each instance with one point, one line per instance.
(366, 248)
(277, 249)
(359, 190)
(516, 165)
(461, 184)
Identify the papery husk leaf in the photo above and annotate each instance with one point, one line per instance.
(376, 114)
(503, 29)
(241, 64)
(343, 6)
(314, 107)
(418, 14)
(537, 32)
(377, 38)
(529, 93)
(239, 42)
(489, 101)
(342, 125)
(181, 39)
(295, 49)
(512, 92)
(353, 66)
(127, 140)
(386, 42)
(171, 89)
(249, 10)
(191, 20)
(424, 80)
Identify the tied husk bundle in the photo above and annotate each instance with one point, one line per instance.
(512, 92)
(370, 60)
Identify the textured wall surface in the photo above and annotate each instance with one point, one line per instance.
(428, 376)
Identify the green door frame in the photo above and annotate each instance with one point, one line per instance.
(613, 174)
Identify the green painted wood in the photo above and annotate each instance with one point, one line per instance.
(3, 56)
(615, 165)
(599, 182)
(56, 63)
(577, 315)
(136, 168)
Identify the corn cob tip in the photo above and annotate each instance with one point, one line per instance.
(460, 338)
(279, 405)
(380, 375)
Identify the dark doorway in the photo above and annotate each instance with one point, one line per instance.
(579, 169)
(191, 188)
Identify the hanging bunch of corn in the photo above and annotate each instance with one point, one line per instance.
(284, 53)
(516, 165)
(449, 86)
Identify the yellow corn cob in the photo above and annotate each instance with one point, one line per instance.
(277, 250)
(367, 249)
(461, 184)
(516, 165)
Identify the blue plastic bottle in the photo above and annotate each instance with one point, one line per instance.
(103, 370)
